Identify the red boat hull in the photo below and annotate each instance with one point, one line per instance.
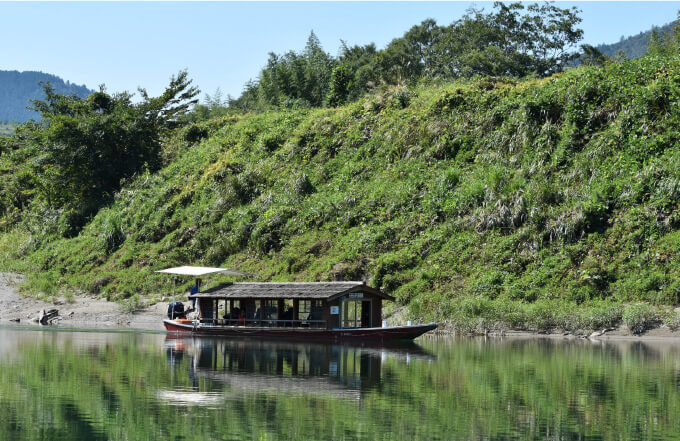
(381, 334)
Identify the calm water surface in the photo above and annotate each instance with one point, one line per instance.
(132, 386)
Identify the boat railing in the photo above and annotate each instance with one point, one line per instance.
(265, 323)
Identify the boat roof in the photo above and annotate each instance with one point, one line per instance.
(201, 271)
(288, 290)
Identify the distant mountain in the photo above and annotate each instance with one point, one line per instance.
(17, 89)
(634, 46)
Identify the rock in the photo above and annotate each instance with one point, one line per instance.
(16, 320)
(47, 317)
(598, 333)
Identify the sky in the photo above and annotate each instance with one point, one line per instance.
(126, 45)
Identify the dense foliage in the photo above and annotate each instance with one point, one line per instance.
(18, 89)
(514, 201)
(512, 40)
(72, 161)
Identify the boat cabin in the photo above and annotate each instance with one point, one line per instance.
(320, 305)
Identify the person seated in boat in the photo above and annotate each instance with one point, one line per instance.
(231, 316)
(315, 315)
(241, 318)
(287, 317)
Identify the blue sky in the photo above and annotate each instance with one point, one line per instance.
(127, 44)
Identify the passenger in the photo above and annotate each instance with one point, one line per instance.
(241, 318)
(287, 316)
(229, 316)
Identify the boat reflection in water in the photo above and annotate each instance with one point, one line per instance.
(252, 366)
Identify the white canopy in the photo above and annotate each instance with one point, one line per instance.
(202, 271)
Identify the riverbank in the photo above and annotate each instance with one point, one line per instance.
(76, 311)
(92, 312)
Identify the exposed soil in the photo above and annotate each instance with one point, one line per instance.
(80, 312)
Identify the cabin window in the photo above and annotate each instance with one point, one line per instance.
(270, 309)
(310, 310)
(232, 310)
(356, 313)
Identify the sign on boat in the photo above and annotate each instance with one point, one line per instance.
(292, 310)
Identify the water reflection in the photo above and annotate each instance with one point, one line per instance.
(258, 366)
(127, 386)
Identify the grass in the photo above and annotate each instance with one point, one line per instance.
(535, 204)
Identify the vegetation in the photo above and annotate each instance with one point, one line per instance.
(18, 89)
(512, 40)
(635, 46)
(82, 148)
(485, 203)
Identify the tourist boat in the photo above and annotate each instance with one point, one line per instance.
(328, 311)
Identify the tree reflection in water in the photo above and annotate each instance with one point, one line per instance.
(132, 386)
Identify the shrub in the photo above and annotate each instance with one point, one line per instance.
(302, 186)
(602, 315)
(672, 319)
(195, 133)
(541, 316)
(132, 304)
(640, 317)
(270, 143)
(112, 234)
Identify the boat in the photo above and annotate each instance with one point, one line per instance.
(295, 311)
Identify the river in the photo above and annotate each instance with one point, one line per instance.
(75, 385)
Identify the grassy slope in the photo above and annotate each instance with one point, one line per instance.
(489, 199)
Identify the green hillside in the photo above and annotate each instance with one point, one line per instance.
(536, 204)
(634, 46)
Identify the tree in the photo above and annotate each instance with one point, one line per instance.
(592, 56)
(664, 44)
(356, 72)
(82, 148)
(512, 40)
(407, 59)
(509, 41)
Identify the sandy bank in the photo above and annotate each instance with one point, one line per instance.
(82, 311)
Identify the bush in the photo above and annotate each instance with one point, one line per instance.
(640, 317)
(195, 133)
(602, 315)
(302, 186)
(112, 234)
(132, 304)
(672, 320)
(541, 316)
